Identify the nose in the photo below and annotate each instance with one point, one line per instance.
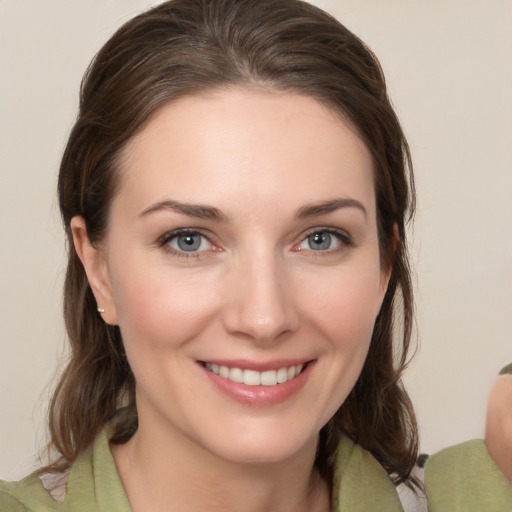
(260, 304)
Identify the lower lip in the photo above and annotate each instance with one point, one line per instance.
(260, 395)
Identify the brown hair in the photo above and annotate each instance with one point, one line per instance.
(185, 46)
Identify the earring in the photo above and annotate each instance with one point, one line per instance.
(101, 310)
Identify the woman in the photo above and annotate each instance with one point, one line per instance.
(235, 193)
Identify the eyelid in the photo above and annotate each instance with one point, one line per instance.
(344, 237)
(163, 242)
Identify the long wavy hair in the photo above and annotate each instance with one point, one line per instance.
(182, 47)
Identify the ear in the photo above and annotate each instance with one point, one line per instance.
(388, 268)
(95, 265)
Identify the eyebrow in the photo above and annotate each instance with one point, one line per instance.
(192, 210)
(312, 210)
(214, 214)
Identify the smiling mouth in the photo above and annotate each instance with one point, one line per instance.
(254, 377)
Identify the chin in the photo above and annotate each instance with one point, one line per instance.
(262, 445)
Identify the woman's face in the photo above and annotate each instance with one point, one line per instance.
(242, 266)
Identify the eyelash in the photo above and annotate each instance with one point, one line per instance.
(345, 241)
(165, 240)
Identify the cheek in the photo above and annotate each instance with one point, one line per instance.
(345, 304)
(342, 316)
(161, 308)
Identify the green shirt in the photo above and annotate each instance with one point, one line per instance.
(461, 478)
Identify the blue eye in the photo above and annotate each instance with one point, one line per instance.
(188, 242)
(319, 241)
(323, 240)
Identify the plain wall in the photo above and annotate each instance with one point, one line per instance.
(449, 73)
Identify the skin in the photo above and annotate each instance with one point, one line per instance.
(257, 290)
(498, 431)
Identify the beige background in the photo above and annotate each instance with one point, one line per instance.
(448, 65)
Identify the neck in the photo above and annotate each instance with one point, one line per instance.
(165, 470)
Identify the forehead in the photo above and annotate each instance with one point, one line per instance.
(240, 145)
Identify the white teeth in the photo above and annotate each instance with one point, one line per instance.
(236, 375)
(255, 378)
(282, 375)
(269, 378)
(252, 378)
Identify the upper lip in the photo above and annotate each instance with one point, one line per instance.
(259, 366)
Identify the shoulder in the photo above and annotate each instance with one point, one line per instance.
(360, 482)
(23, 495)
(35, 493)
(48, 492)
(92, 483)
(8, 502)
(464, 477)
